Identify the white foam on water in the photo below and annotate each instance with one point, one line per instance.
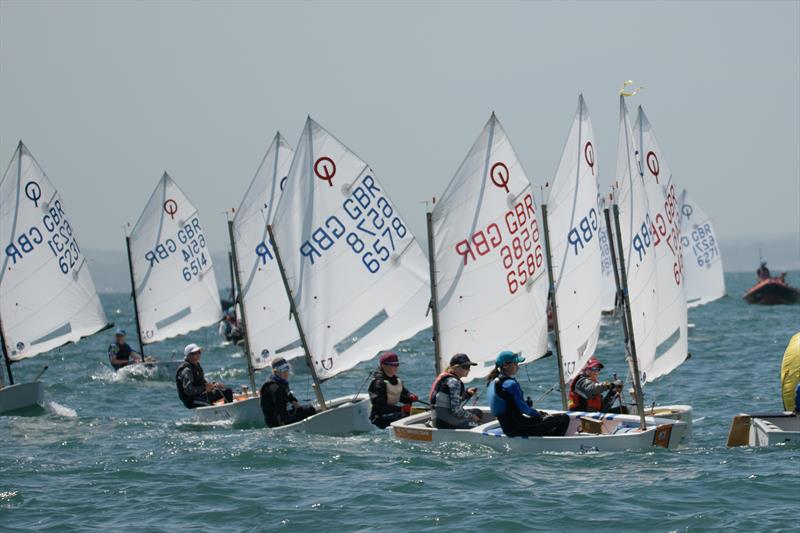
(60, 410)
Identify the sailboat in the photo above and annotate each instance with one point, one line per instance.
(702, 263)
(489, 288)
(353, 272)
(268, 328)
(47, 296)
(648, 263)
(172, 277)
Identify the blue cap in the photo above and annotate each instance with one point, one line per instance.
(231, 311)
(119, 331)
(508, 357)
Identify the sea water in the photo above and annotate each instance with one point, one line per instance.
(114, 452)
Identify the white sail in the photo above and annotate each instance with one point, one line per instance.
(574, 223)
(176, 290)
(271, 330)
(702, 262)
(47, 294)
(357, 275)
(608, 291)
(672, 343)
(489, 257)
(637, 243)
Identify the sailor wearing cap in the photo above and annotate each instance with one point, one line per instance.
(190, 380)
(448, 396)
(386, 391)
(586, 392)
(507, 403)
(278, 403)
(120, 353)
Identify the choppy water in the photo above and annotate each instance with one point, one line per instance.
(113, 453)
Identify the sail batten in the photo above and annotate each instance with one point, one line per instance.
(348, 256)
(47, 296)
(173, 274)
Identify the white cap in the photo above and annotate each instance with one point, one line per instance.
(190, 348)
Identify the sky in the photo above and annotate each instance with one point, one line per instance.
(108, 95)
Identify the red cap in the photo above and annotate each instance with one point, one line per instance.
(592, 362)
(389, 358)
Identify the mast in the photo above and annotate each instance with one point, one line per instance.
(293, 307)
(5, 355)
(621, 279)
(237, 291)
(231, 266)
(554, 308)
(437, 348)
(133, 293)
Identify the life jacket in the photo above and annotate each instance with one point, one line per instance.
(393, 392)
(198, 378)
(115, 351)
(439, 386)
(579, 403)
(500, 402)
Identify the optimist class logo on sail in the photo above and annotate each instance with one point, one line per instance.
(55, 231)
(515, 236)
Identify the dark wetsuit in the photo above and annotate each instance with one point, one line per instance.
(383, 411)
(119, 351)
(191, 382)
(277, 404)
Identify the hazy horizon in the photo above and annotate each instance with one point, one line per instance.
(109, 95)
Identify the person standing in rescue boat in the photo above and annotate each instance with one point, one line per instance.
(448, 396)
(586, 391)
(386, 391)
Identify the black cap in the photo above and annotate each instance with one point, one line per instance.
(461, 359)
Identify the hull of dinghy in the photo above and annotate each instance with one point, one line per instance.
(21, 397)
(765, 430)
(344, 416)
(616, 433)
(245, 411)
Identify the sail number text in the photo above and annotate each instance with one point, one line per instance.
(191, 244)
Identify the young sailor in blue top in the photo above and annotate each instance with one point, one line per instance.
(190, 380)
(120, 353)
(278, 403)
(516, 417)
(386, 391)
(448, 396)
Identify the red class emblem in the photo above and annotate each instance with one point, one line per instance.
(500, 175)
(325, 169)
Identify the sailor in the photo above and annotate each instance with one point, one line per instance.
(448, 396)
(229, 327)
(763, 272)
(386, 391)
(120, 353)
(193, 389)
(518, 418)
(278, 404)
(586, 392)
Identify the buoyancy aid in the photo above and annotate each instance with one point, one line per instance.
(579, 403)
(500, 402)
(393, 392)
(198, 379)
(439, 385)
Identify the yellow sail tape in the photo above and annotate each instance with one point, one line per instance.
(625, 85)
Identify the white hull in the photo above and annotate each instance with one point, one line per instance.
(161, 370)
(21, 396)
(619, 433)
(344, 415)
(242, 411)
(765, 430)
(683, 413)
